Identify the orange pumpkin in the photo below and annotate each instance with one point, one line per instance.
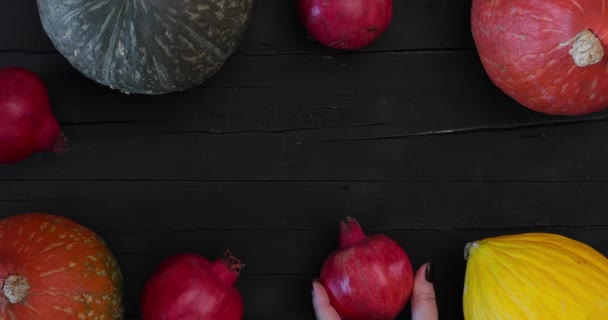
(53, 268)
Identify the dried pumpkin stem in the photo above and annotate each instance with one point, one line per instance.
(586, 49)
(468, 247)
(15, 288)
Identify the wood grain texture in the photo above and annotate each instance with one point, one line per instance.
(266, 121)
(192, 205)
(409, 136)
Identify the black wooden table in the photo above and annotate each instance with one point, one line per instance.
(408, 135)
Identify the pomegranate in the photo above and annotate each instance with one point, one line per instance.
(348, 25)
(189, 287)
(367, 277)
(26, 122)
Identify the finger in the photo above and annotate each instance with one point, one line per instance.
(320, 301)
(424, 305)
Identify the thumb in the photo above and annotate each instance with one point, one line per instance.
(320, 301)
(424, 306)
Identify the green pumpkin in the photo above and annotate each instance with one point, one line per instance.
(146, 46)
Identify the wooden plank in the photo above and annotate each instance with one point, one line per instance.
(374, 93)
(404, 92)
(109, 152)
(357, 123)
(281, 263)
(269, 251)
(275, 28)
(173, 205)
(21, 29)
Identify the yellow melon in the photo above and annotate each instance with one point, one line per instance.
(534, 276)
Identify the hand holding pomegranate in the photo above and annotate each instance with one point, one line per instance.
(424, 306)
(369, 277)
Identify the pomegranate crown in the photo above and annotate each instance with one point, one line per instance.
(351, 232)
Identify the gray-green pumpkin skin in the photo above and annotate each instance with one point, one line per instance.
(146, 46)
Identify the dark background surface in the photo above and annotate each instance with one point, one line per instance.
(408, 135)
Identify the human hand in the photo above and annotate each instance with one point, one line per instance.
(424, 306)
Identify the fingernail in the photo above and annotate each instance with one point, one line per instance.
(429, 273)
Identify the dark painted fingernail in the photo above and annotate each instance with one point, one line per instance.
(429, 273)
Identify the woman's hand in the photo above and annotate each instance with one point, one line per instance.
(424, 306)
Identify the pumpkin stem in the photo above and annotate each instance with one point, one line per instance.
(586, 49)
(468, 247)
(15, 288)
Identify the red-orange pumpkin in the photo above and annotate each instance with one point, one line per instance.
(53, 268)
(547, 55)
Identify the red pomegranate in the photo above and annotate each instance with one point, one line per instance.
(367, 277)
(347, 25)
(27, 124)
(189, 287)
